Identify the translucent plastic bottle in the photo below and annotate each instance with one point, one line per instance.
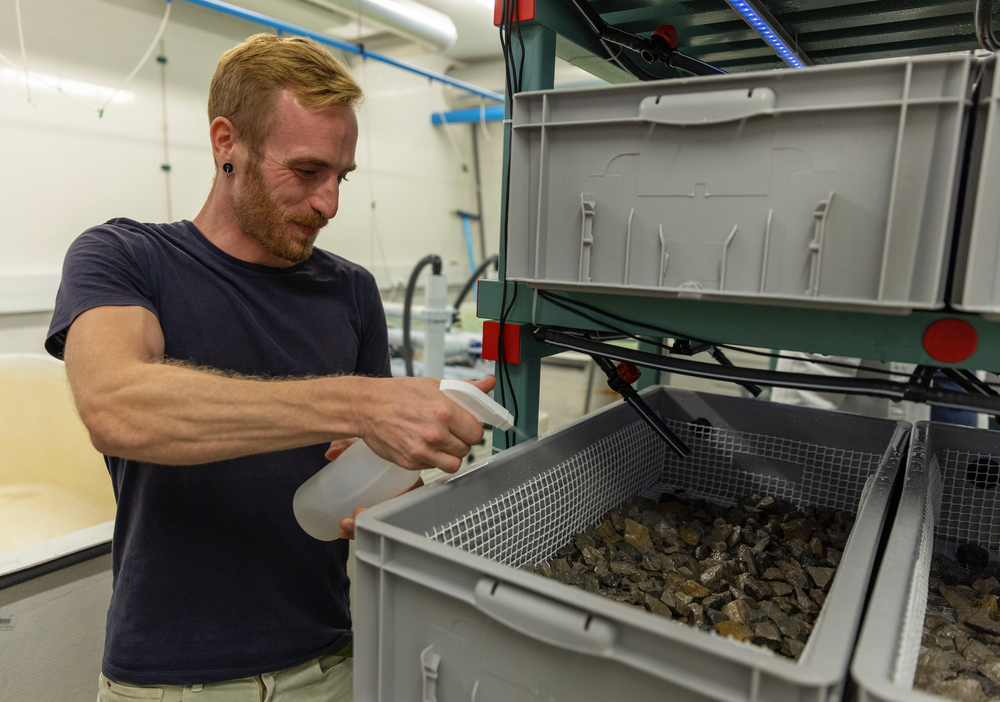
(361, 478)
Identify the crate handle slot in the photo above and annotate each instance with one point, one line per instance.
(544, 619)
(820, 215)
(714, 107)
(588, 207)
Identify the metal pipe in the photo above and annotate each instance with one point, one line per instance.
(281, 26)
(424, 25)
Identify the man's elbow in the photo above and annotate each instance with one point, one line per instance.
(110, 431)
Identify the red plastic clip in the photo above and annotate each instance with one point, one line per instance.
(668, 33)
(629, 372)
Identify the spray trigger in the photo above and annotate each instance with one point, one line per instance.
(478, 403)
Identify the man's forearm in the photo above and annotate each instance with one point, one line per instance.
(163, 413)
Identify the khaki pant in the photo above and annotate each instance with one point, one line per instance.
(328, 678)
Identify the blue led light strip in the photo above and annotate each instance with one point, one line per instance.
(768, 33)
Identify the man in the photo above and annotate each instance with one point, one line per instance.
(214, 363)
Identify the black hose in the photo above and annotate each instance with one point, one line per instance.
(435, 263)
(913, 391)
(494, 260)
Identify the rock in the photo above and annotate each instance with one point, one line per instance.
(980, 621)
(976, 652)
(611, 579)
(657, 607)
(697, 614)
(601, 568)
(796, 577)
(626, 569)
(695, 589)
(791, 647)
(988, 604)
(733, 630)
(668, 534)
(818, 596)
(816, 546)
(986, 586)
(925, 677)
(962, 606)
(690, 537)
(805, 603)
(756, 589)
(943, 660)
(821, 576)
(712, 576)
(713, 601)
(767, 634)
(756, 616)
(773, 574)
(799, 529)
(637, 535)
(715, 617)
(781, 589)
(737, 611)
(617, 521)
(745, 555)
(735, 537)
(651, 560)
(591, 556)
(973, 556)
(544, 569)
(560, 565)
(991, 669)
(960, 690)
(833, 557)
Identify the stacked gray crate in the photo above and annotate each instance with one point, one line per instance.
(443, 612)
(829, 187)
(950, 497)
(977, 263)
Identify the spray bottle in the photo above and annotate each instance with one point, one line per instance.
(361, 478)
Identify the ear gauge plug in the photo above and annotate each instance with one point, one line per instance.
(228, 168)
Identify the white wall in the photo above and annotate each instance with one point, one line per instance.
(63, 169)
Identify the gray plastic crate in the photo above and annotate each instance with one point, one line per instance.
(940, 508)
(978, 259)
(833, 186)
(443, 613)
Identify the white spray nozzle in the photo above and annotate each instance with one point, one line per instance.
(478, 403)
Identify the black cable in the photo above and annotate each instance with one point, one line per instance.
(493, 260)
(435, 263)
(892, 390)
(677, 335)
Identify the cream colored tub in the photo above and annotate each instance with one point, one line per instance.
(57, 513)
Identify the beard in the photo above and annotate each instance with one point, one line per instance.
(262, 219)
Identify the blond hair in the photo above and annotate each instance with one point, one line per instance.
(250, 75)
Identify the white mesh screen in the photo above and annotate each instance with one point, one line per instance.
(970, 504)
(530, 522)
(726, 464)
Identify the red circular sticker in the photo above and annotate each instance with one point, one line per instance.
(950, 340)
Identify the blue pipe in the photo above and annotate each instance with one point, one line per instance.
(227, 9)
(475, 114)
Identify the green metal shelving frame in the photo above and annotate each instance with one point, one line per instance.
(558, 30)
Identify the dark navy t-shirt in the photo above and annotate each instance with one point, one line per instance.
(213, 577)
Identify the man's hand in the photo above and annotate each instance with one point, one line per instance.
(410, 422)
(347, 524)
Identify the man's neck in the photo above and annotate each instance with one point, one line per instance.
(217, 223)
